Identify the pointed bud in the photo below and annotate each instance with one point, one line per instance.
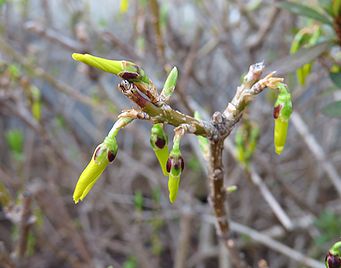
(124, 69)
(159, 143)
(110, 66)
(333, 258)
(175, 165)
(104, 154)
(282, 113)
(169, 85)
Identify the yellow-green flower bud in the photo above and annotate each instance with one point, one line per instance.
(159, 143)
(282, 113)
(104, 154)
(175, 165)
(125, 69)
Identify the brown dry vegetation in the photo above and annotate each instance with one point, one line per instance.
(286, 211)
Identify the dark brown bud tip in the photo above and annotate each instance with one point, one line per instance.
(169, 164)
(182, 163)
(277, 110)
(160, 143)
(111, 156)
(175, 163)
(333, 261)
(129, 75)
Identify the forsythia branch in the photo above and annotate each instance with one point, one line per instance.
(154, 107)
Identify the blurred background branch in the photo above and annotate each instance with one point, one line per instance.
(286, 211)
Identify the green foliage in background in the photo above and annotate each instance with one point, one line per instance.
(324, 25)
(329, 225)
(15, 142)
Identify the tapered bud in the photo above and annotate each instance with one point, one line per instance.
(282, 113)
(124, 69)
(159, 143)
(104, 154)
(175, 165)
(169, 85)
(333, 258)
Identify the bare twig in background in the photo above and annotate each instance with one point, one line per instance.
(39, 37)
(184, 239)
(275, 245)
(317, 151)
(159, 40)
(24, 227)
(54, 36)
(39, 72)
(5, 258)
(268, 196)
(258, 39)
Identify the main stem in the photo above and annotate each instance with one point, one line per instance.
(217, 190)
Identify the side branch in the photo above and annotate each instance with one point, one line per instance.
(164, 113)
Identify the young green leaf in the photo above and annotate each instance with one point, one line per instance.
(169, 85)
(306, 37)
(306, 11)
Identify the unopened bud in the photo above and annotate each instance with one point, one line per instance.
(169, 85)
(104, 154)
(282, 113)
(124, 69)
(175, 165)
(159, 143)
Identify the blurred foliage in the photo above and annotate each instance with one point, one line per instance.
(138, 200)
(327, 14)
(329, 225)
(63, 115)
(333, 109)
(130, 263)
(15, 142)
